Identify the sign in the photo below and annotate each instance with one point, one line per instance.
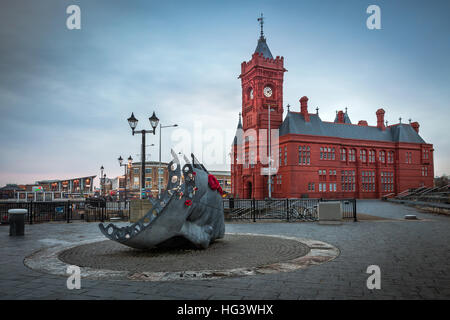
(265, 171)
(37, 189)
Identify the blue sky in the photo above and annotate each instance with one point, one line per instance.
(65, 94)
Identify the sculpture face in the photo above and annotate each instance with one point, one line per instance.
(186, 211)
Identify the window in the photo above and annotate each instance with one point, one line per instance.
(285, 156)
(148, 182)
(327, 153)
(390, 157)
(304, 154)
(279, 157)
(348, 180)
(371, 156)
(279, 177)
(408, 157)
(382, 156)
(367, 181)
(387, 181)
(425, 154)
(352, 155)
(424, 171)
(136, 170)
(343, 154)
(136, 183)
(362, 155)
(148, 170)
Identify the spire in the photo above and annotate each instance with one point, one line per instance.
(262, 45)
(238, 131)
(261, 22)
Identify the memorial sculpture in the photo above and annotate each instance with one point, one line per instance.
(189, 211)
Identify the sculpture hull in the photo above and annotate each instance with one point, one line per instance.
(188, 211)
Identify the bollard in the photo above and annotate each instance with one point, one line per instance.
(17, 222)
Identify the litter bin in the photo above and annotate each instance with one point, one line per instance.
(17, 222)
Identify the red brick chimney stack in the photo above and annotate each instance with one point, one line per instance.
(341, 116)
(304, 108)
(415, 126)
(380, 119)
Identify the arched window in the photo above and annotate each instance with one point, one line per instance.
(343, 154)
(382, 156)
(362, 155)
(390, 158)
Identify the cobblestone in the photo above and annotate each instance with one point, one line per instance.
(413, 257)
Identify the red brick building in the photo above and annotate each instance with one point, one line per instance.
(317, 158)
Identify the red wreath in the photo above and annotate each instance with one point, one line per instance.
(214, 184)
(188, 203)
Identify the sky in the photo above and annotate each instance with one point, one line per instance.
(65, 94)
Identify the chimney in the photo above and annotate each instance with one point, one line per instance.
(304, 108)
(380, 119)
(362, 123)
(340, 116)
(415, 126)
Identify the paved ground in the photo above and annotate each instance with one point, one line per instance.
(413, 257)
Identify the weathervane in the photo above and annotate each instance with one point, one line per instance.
(261, 22)
(288, 106)
(317, 110)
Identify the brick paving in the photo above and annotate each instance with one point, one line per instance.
(413, 257)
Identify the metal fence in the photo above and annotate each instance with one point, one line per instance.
(282, 209)
(98, 210)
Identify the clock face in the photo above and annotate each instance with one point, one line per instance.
(251, 93)
(268, 92)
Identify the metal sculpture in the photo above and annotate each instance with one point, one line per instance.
(189, 211)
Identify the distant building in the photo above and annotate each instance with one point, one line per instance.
(8, 191)
(152, 178)
(48, 190)
(224, 178)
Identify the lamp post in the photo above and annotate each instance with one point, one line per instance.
(269, 180)
(104, 184)
(132, 121)
(126, 165)
(159, 165)
(101, 180)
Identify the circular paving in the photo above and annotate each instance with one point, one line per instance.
(234, 255)
(233, 251)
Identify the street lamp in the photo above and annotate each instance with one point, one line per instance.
(132, 121)
(104, 183)
(101, 181)
(125, 172)
(159, 165)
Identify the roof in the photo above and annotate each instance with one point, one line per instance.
(263, 48)
(11, 187)
(294, 123)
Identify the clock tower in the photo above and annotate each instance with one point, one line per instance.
(262, 89)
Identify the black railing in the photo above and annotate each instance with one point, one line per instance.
(282, 209)
(98, 210)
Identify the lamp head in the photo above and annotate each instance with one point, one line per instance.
(154, 121)
(132, 121)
